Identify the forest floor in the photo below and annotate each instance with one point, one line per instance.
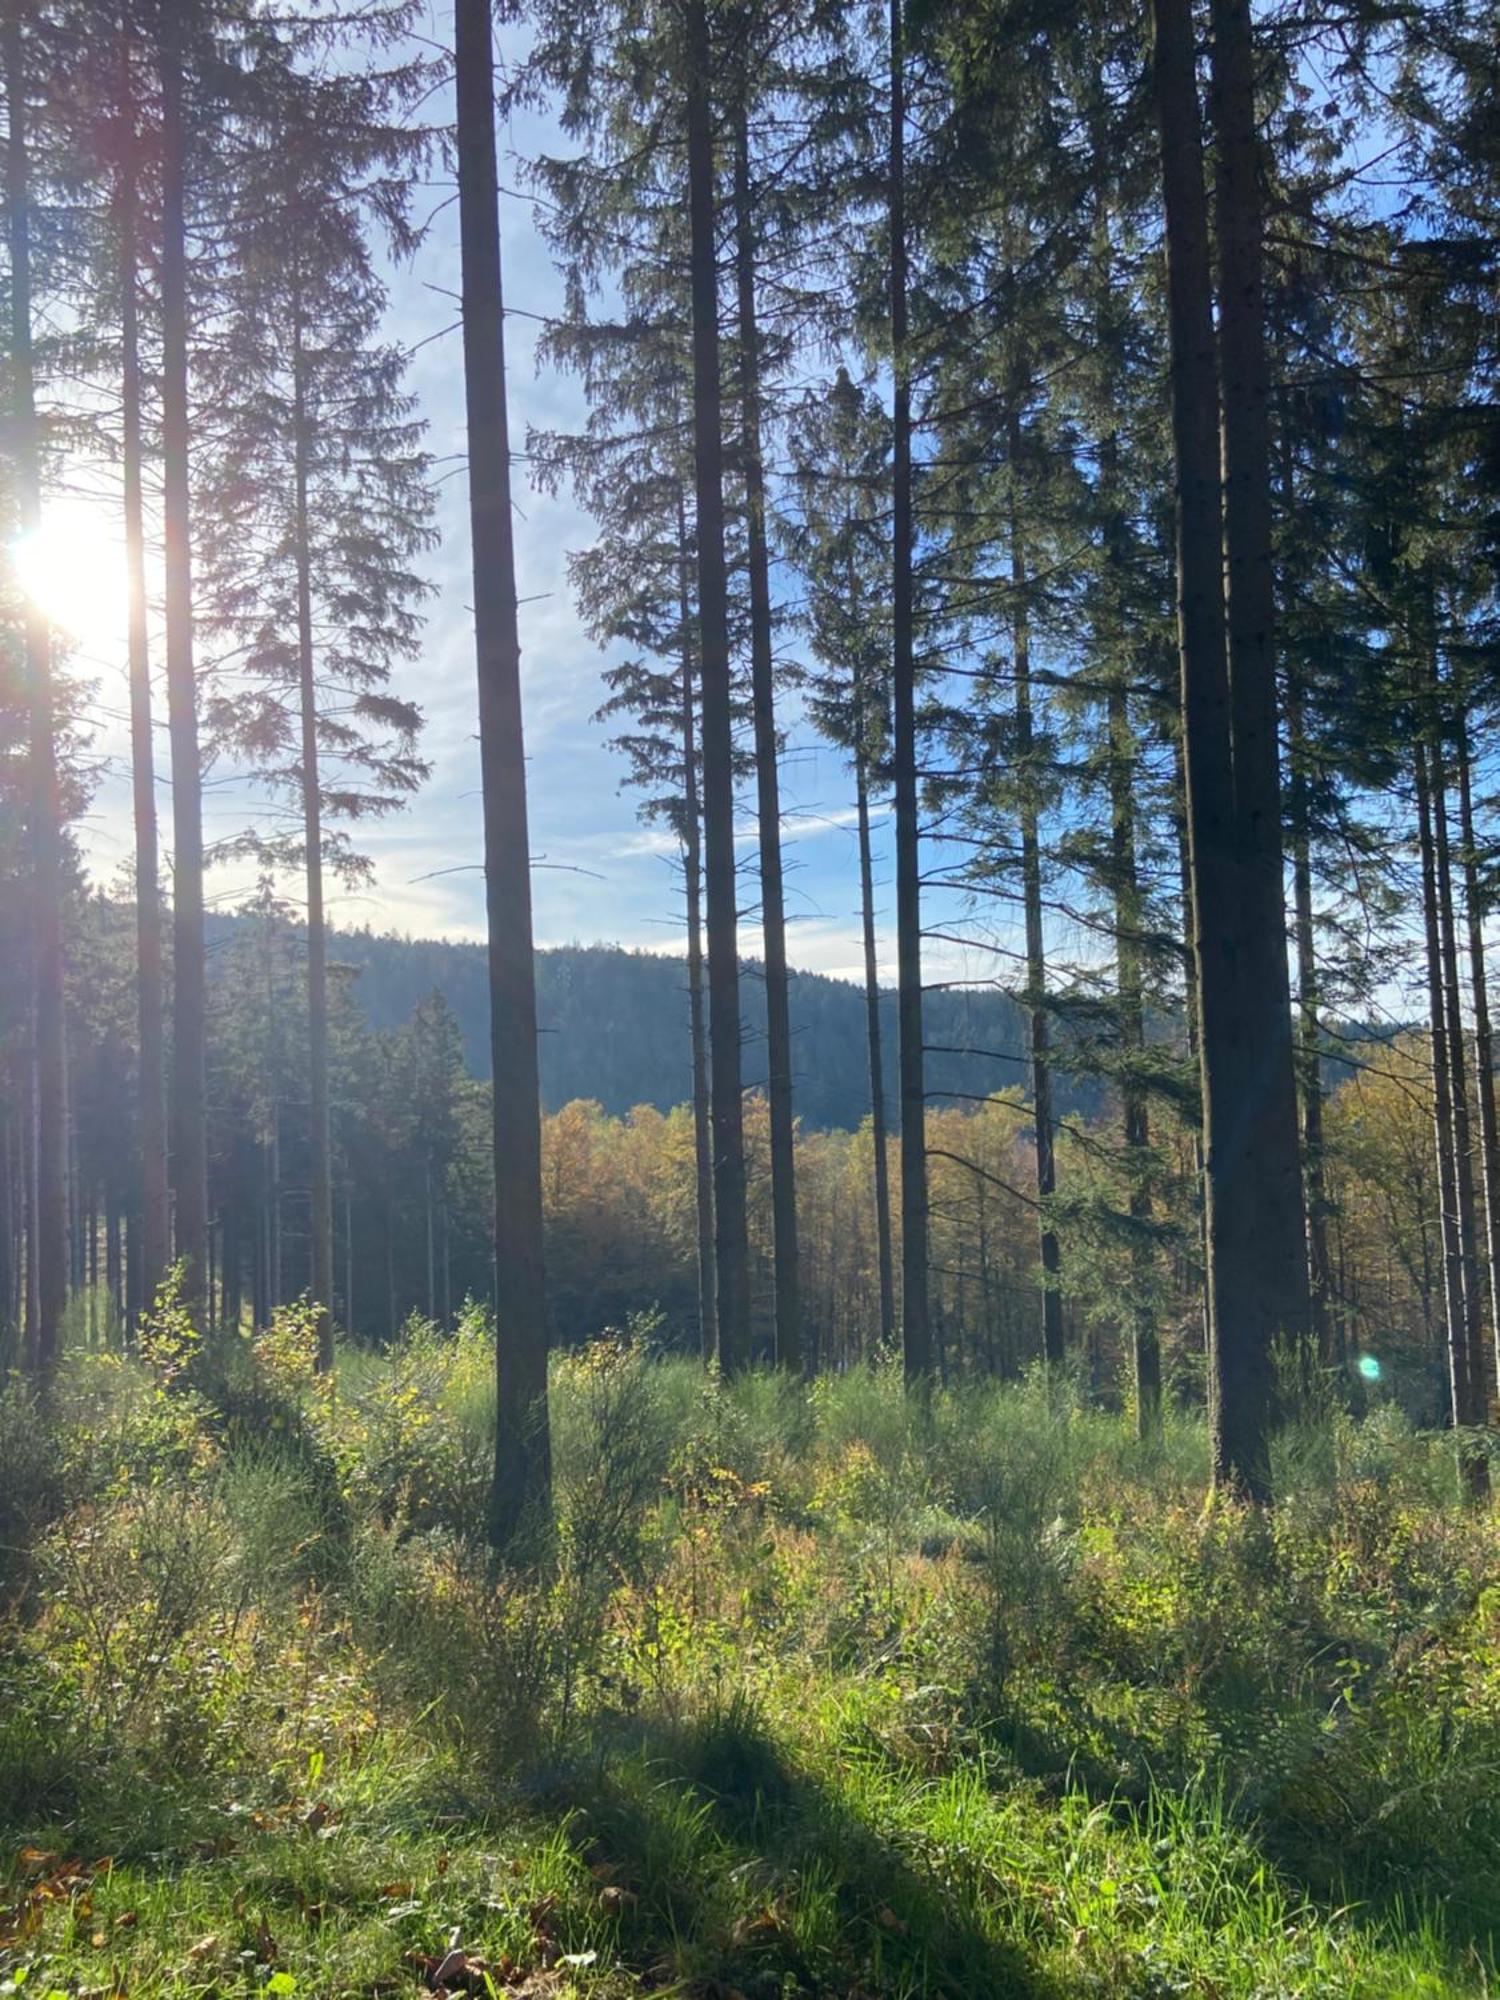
(823, 1693)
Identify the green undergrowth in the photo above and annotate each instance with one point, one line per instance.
(821, 1692)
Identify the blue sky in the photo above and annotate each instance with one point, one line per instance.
(600, 875)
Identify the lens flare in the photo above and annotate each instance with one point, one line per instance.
(1369, 1367)
(72, 567)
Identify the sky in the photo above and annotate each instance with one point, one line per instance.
(600, 875)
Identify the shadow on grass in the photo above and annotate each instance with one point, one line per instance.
(735, 1873)
(1320, 1823)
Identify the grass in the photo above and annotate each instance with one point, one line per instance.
(825, 1694)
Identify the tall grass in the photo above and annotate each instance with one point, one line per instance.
(824, 1689)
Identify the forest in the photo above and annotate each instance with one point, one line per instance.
(928, 1425)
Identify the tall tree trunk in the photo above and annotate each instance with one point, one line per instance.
(1038, 1025)
(30, 1182)
(873, 1037)
(1309, 1029)
(49, 1235)
(1484, 1049)
(349, 1256)
(1145, 1349)
(1463, 1152)
(155, 1233)
(692, 872)
(1123, 768)
(275, 1290)
(320, 1142)
(787, 1264)
(523, 1477)
(189, 994)
(1193, 1017)
(731, 1232)
(113, 1266)
(1273, 1260)
(430, 1239)
(1239, 1335)
(1472, 1467)
(916, 1327)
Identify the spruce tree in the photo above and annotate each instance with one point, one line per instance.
(521, 1493)
(318, 502)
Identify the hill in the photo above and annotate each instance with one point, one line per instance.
(614, 1026)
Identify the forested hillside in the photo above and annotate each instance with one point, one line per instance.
(612, 1026)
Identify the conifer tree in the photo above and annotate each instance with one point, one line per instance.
(836, 533)
(48, 1236)
(521, 1494)
(916, 1329)
(318, 503)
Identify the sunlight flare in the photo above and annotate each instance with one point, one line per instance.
(72, 567)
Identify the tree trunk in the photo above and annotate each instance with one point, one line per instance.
(1273, 1260)
(320, 1143)
(731, 1234)
(692, 871)
(916, 1329)
(189, 997)
(873, 1038)
(1145, 1349)
(1463, 1152)
(1484, 1052)
(1193, 1017)
(155, 1235)
(787, 1264)
(523, 1478)
(431, 1241)
(49, 1233)
(1036, 957)
(1309, 1035)
(1239, 1336)
(1473, 1469)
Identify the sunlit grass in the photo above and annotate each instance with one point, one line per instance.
(826, 1693)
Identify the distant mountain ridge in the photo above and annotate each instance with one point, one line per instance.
(614, 1025)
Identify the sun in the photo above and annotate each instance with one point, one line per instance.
(72, 567)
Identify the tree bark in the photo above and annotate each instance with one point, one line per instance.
(155, 1234)
(320, 1142)
(49, 1231)
(787, 1264)
(1239, 1335)
(1484, 1051)
(874, 1038)
(1273, 1262)
(1463, 1152)
(1144, 1346)
(731, 1232)
(521, 1492)
(1309, 1035)
(1038, 1025)
(1473, 1469)
(916, 1327)
(692, 870)
(189, 1160)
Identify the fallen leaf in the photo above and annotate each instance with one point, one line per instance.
(205, 1947)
